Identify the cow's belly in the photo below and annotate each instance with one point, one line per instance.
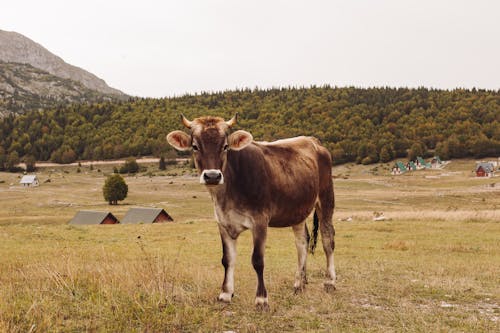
(286, 218)
(293, 205)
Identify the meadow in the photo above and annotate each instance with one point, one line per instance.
(431, 266)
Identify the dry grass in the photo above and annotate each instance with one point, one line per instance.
(429, 268)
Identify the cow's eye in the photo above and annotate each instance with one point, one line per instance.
(195, 147)
(226, 147)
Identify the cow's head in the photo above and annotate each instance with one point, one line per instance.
(210, 141)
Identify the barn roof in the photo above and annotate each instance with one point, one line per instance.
(487, 167)
(28, 179)
(87, 217)
(143, 215)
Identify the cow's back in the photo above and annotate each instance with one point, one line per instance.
(281, 178)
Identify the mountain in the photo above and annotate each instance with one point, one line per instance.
(15, 47)
(24, 87)
(31, 77)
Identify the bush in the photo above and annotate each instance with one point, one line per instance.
(130, 166)
(367, 160)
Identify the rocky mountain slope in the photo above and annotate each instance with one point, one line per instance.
(24, 87)
(15, 47)
(33, 78)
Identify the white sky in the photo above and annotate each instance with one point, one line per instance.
(165, 48)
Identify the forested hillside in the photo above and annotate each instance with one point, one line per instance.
(363, 125)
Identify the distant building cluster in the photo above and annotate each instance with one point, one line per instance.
(402, 167)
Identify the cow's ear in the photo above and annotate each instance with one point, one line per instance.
(179, 140)
(239, 140)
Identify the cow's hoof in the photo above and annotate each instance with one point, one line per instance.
(225, 297)
(299, 289)
(329, 286)
(261, 304)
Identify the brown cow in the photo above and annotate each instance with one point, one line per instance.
(259, 184)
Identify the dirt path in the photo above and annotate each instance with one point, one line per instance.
(100, 162)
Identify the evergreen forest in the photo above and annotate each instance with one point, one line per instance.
(356, 125)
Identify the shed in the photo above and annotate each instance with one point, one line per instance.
(29, 180)
(146, 215)
(89, 217)
(484, 169)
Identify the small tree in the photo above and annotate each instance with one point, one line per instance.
(417, 149)
(12, 161)
(385, 155)
(30, 163)
(114, 189)
(162, 165)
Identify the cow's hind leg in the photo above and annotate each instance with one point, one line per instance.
(259, 243)
(229, 262)
(324, 210)
(301, 242)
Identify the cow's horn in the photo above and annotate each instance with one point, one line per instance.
(185, 121)
(233, 120)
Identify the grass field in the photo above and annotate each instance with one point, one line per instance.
(433, 266)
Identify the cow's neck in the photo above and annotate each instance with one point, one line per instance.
(217, 193)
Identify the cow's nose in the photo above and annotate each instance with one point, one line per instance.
(212, 177)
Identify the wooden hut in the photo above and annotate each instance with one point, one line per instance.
(146, 215)
(89, 217)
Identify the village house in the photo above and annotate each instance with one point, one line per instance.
(485, 169)
(29, 181)
(89, 217)
(146, 215)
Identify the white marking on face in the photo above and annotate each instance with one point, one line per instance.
(207, 172)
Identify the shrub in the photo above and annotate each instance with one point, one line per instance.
(115, 189)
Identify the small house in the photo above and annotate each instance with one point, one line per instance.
(146, 215)
(399, 168)
(436, 162)
(29, 181)
(484, 169)
(90, 217)
(423, 163)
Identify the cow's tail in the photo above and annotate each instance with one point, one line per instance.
(314, 240)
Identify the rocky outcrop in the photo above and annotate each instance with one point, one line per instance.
(17, 48)
(24, 88)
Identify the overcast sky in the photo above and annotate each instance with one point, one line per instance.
(166, 48)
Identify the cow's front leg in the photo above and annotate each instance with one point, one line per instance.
(229, 262)
(259, 243)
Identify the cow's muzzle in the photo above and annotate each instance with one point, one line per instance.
(212, 177)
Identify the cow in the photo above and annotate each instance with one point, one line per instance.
(256, 185)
